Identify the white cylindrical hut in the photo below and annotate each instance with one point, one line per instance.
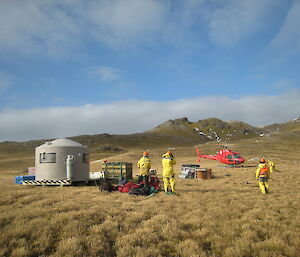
(51, 161)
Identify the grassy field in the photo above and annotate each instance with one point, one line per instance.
(225, 216)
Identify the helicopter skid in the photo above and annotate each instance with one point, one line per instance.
(234, 166)
(239, 166)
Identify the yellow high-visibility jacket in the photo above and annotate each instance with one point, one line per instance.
(262, 170)
(144, 165)
(167, 163)
(271, 165)
(104, 166)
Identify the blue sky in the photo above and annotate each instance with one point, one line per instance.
(67, 65)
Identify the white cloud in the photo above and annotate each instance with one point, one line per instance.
(58, 26)
(119, 22)
(37, 26)
(106, 73)
(288, 38)
(137, 116)
(5, 81)
(237, 20)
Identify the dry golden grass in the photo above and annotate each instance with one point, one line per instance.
(226, 216)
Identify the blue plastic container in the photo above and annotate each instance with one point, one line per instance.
(20, 179)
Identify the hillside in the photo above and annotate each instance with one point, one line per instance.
(172, 133)
(107, 142)
(209, 130)
(290, 126)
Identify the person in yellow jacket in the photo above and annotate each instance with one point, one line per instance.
(168, 162)
(144, 165)
(104, 165)
(271, 165)
(263, 175)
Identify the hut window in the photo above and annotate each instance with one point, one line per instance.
(86, 158)
(47, 157)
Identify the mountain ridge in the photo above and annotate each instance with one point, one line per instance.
(171, 133)
(209, 129)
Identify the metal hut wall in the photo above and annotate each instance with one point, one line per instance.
(51, 161)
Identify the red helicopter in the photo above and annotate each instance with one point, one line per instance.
(225, 156)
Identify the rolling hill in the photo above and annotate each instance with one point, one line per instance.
(172, 133)
(107, 142)
(209, 130)
(290, 126)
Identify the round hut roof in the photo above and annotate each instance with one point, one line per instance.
(62, 142)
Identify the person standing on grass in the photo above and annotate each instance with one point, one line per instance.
(168, 162)
(104, 165)
(271, 165)
(144, 165)
(263, 175)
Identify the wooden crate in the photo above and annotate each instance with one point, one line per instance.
(204, 173)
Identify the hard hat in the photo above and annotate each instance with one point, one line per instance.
(145, 153)
(262, 160)
(169, 152)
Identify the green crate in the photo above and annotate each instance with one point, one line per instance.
(118, 169)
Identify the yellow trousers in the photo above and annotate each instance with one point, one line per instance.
(263, 184)
(167, 181)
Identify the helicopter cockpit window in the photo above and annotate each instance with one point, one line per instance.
(236, 156)
(229, 157)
